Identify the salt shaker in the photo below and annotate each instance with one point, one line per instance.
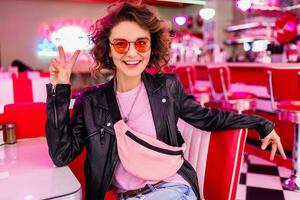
(1, 135)
(10, 133)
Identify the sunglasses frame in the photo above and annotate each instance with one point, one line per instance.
(128, 46)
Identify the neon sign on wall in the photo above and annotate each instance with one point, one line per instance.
(71, 34)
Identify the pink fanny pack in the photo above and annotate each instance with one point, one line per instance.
(145, 156)
(142, 155)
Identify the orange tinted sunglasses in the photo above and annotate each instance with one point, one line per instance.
(121, 46)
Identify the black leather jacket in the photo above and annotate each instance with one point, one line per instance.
(91, 126)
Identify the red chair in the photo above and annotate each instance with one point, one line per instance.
(187, 76)
(284, 90)
(219, 78)
(217, 158)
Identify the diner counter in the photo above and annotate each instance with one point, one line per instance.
(27, 172)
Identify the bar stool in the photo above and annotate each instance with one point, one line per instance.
(285, 100)
(219, 78)
(187, 77)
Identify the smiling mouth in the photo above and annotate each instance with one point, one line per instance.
(132, 62)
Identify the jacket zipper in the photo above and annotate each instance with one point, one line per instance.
(101, 133)
(149, 146)
(101, 136)
(108, 130)
(92, 134)
(54, 106)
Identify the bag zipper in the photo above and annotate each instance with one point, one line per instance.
(54, 106)
(154, 148)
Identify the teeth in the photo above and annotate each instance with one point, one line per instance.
(131, 62)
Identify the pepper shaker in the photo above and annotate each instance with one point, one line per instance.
(10, 133)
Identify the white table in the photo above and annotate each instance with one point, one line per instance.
(27, 172)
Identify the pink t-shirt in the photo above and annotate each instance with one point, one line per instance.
(140, 120)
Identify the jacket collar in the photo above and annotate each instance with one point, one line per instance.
(152, 85)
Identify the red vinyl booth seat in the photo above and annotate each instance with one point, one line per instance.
(217, 157)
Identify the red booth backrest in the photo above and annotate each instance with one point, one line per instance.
(22, 90)
(29, 118)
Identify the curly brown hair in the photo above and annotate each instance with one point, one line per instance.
(142, 15)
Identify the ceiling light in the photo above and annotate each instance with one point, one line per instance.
(207, 13)
(244, 4)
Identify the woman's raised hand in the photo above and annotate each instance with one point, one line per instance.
(60, 70)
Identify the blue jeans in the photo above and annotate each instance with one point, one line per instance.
(166, 191)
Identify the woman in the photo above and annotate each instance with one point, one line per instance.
(129, 39)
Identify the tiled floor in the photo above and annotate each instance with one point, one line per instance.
(261, 180)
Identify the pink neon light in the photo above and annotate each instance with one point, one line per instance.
(180, 20)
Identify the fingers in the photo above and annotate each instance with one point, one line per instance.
(54, 62)
(265, 143)
(74, 57)
(281, 151)
(273, 151)
(62, 55)
(276, 144)
(53, 69)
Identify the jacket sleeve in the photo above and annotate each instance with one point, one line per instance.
(65, 137)
(214, 119)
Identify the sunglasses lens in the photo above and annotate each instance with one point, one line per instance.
(121, 46)
(142, 45)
